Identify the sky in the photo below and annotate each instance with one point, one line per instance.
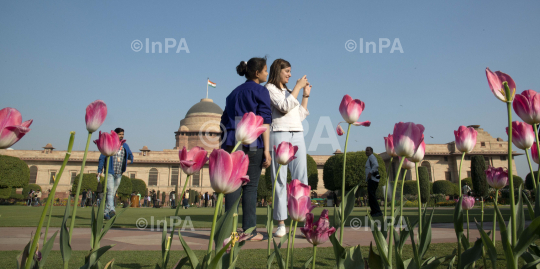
(56, 57)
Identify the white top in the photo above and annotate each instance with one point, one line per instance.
(287, 113)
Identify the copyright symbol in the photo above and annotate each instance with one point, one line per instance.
(356, 223)
(350, 45)
(137, 45)
(141, 223)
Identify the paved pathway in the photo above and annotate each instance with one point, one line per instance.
(15, 238)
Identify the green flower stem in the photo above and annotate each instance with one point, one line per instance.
(213, 231)
(236, 146)
(74, 215)
(342, 204)
(386, 189)
(48, 223)
(535, 127)
(530, 168)
(494, 231)
(182, 195)
(459, 175)
(102, 203)
(391, 238)
(50, 198)
(288, 244)
(272, 209)
(292, 250)
(314, 256)
(235, 224)
(468, 225)
(419, 201)
(510, 177)
(401, 204)
(482, 225)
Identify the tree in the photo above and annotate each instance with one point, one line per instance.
(328, 173)
(478, 175)
(14, 173)
(528, 180)
(138, 186)
(124, 189)
(444, 187)
(89, 182)
(425, 184)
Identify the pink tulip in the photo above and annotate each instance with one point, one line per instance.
(192, 161)
(407, 137)
(527, 106)
(238, 239)
(468, 202)
(108, 144)
(497, 178)
(249, 128)
(351, 109)
(522, 135)
(319, 232)
(228, 171)
(465, 138)
(285, 152)
(534, 152)
(339, 130)
(12, 129)
(496, 79)
(419, 155)
(389, 145)
(407, 164)
(299, 206)
(298, 189)
(96, 112)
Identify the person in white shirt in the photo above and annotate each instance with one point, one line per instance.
(287, 117)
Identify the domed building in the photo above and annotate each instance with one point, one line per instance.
(200, 127)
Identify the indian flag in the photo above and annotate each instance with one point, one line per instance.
(211, 84)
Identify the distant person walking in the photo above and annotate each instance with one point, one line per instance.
(38, 198)
(83, 200)
(372, 170)
(117, 166)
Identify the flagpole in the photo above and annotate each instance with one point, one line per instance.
(207, 79)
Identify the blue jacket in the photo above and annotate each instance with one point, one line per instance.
(128, 155)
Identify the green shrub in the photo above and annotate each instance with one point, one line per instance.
(355, 171)
(518, 181)
(138, 186)
(328, 173)
(89, 182)
(443, 187)
(478, 175)
(529, 185)
(313, 173)
(425, 184)
(410, 188)
(124, 189)
(13, 172)
(29, 187)
(5, 192)
(17, 196)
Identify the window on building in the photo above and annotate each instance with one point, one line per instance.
(468, 173)
(448, 175)
(483, 144)
(174, 175)
(73, 177)
(196, 181)
(445, 159)
(33, 174)
(503, 158)
(132, 175)
(53, 175)
(153, 177)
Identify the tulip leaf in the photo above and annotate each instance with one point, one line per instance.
(531, 265)
(109, 224)
(181, 263)
(425, 236)
(354, 258)
(374, 260)
(492, 251)
(416, 256)
(47, 249)
(527, 237)
(94, 256)
(505, 238)
(335, 218)
(109, 265)
(520, 215)
(529, 206)
(465, 242)
(471, 255)
(279, 259)
(269, 219)
(65, 247)
(224, 226)
(537, 203)
(533, 249)
(23, 256)
(458, 218)
(214, 263)
(350, 200)
(529, 257)
(308, 263)
(433, 262)
(339, 251)
(271, 257)
(233, 264)
(193, 260)
(382, 246)
(93, 228)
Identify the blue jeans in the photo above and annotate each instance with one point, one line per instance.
(113, 181)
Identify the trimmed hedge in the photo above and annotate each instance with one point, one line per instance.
(529, 185)
(328, 173)
(13, 172)
(124, 189)
(138, 186)
(89, 182)
(410, 188)
(444, 187)
(425, 184)
(478, 174)
(5, 192)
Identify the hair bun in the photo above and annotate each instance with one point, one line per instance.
(241, 69)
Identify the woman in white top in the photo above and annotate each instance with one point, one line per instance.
(287, 117)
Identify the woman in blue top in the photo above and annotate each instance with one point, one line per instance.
(248, 97)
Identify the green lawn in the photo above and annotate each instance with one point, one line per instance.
(23, 216)
(252, 258)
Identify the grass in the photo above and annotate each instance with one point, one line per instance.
(24, 216)
(249, 258)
